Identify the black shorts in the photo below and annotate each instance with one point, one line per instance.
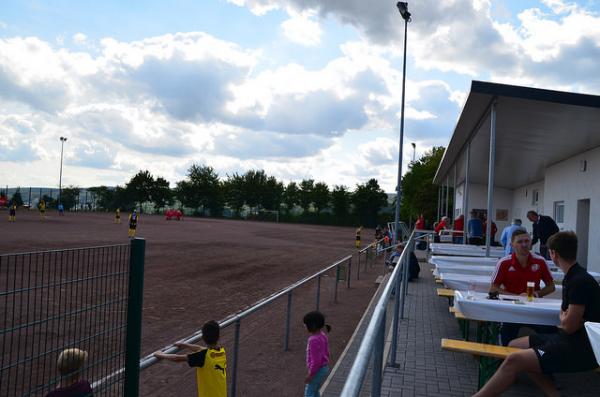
(563, 353)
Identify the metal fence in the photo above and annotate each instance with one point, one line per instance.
(372, 345)
(344, 269)
(87, 298)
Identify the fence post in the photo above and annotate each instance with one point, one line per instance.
(349, 271)
(236, 345)
(318, 290)
(287, 321)
(134, 317)
(337, 280)
(359, 261)
(378, 359)
(357, 270)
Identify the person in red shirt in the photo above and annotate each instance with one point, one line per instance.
(420, 224)
(493, 231)
(459, 224)
(441, 225)
(511, 276)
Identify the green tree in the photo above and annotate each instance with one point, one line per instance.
(255, 183)
(291, 195)
(140, 187)
(16, 198)
(368, 199)
(201, 189)
(306, 193)
(69, 197)
(233, 188)
(50, 201)
(161, 194)
(340, 200)
(419, 195)
(321, 196)
(272, 194)
(104, 196)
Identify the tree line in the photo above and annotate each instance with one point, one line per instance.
(205, 193)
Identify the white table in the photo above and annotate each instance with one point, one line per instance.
(542, 311)
(464, 250)
(470, 260)
(461, 282)
(593, 332)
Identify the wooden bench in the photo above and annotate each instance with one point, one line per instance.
(487, 354)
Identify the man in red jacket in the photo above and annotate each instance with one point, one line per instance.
(459, 225)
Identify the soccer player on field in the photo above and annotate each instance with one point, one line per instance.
(133, 218)
(118, 216)
(210, 362)
(357, 240)
(12, 213)
(42, 209)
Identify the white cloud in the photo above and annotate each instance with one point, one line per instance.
(79, 38)
(302, 29)
(3, 25)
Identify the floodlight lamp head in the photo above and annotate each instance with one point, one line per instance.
(414, 145)
(403, 8)
(64, 139)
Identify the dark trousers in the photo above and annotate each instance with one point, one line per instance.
(475, 241)
(510, 331)
(544, 251)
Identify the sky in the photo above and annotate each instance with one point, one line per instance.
(299, 88)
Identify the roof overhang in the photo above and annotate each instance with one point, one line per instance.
(535, 128)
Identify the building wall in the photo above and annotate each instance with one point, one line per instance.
(503, 199)
(565, 181)
(523, 201)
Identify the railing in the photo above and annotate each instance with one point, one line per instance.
(374, 338)
(236, 319)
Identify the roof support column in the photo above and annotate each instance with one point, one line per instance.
(447, 195)
(439, 202)
(492, 163)
(466, 193)
(453, 196)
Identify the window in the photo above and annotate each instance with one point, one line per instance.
(535, 194)
(559, 211)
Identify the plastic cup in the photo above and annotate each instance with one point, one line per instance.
(471, 290)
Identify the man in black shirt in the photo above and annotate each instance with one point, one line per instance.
(543, 228)
(570, 349)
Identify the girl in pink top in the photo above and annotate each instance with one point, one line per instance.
(317, 353)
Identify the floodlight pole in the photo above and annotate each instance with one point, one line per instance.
(62, 144)
(406, 17)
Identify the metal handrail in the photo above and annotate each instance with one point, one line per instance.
(235, 319)
(374, 337)
(149, 360)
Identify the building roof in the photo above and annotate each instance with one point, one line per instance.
(535, 128)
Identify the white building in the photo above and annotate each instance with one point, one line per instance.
(541, 151)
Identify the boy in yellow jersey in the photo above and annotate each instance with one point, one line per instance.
(357, 240)
(42, 209)
(210, 362)
(118, 216)
(133, 218)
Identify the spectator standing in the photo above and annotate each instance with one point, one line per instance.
(493, 230)
(459, 224)
(420, 224)
(505, 238)
(317, 353)
(475, 230)
(543, 228)
(210, 362)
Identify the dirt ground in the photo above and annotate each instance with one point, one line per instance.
(200, 269)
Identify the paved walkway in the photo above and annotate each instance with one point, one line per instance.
(426, 370)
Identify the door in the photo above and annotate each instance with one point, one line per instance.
(583, 228)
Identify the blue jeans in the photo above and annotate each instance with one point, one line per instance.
(312, 388)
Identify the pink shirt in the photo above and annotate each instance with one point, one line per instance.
(317, 352)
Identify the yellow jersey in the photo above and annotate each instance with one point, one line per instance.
(211, 371)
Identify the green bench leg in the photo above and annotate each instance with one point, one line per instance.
(487, 368)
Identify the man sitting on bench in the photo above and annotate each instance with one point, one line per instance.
(567, 351)
(511, 276)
